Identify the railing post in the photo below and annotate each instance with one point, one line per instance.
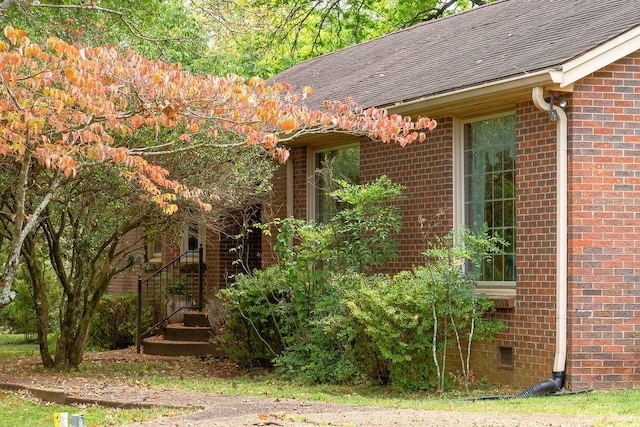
(139, 314)
(200, 274)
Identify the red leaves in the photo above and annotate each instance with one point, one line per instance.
(66, 104)
(13, 35)
(136, 121)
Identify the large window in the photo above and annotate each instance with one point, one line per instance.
(329, 168)
(489, 189)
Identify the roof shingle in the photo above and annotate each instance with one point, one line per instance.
(494, 42)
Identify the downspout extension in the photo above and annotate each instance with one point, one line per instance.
(545, 387)
(556, 383)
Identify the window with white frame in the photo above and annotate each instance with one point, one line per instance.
(489, 190)
(154, 249)
(329, 167)
(194, 236)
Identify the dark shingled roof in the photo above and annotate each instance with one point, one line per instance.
(500, 40)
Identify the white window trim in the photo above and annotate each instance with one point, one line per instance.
(202, 234)
(492, 288)
(311, 172)
(154, 257)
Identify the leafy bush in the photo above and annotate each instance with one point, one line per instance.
(257, 319)
(319, 317)
(414, 318)
(364, 229)
(19, 316)
(290, 313)
(114, 323)
(396, 319)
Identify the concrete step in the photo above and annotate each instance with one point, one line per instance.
(161, 347)
(196, 318)
(179, 332)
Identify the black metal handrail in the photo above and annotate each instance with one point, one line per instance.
(175, 281)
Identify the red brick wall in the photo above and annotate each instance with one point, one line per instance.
(428, 207)
(426, 171)
(128, 281)
(604, 228)
(276, 205)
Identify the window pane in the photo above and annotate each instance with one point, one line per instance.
(192, 238)
(489, 175)
(330, 167)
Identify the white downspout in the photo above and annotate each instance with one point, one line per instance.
(561, 227)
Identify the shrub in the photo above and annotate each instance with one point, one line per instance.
(20, 316)
(290, 313)
(319, 317)
(114, 322)
(321, 352)
(396, 319)
(257, 316)
(414, 318)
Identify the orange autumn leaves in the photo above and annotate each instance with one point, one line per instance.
(70, 107)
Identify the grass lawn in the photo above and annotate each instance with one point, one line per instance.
(20, 410)
(623, 402)
(12, 345)
(215, 376)
(162, 374)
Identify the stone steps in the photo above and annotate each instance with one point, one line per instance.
(190, 338)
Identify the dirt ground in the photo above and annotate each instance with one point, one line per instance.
(235, 410)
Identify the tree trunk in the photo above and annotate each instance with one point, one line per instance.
(70, 307)
(17, 238)
(40, 298)
(21, 229)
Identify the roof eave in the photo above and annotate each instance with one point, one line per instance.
(458, 101)
(561, 78)
(599, 57)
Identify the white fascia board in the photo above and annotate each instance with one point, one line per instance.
(596, 59)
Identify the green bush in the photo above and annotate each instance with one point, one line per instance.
(319, 317)
(114, 322)
(321, 350)
(291, 314)
(415, 318)
(257, 318)
(396, 319)
(19, 316)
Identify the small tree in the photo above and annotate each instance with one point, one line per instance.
(458, 311)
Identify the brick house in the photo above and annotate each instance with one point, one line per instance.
(538, 110)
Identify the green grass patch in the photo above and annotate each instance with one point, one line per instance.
(15, 345)
(19, 410)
